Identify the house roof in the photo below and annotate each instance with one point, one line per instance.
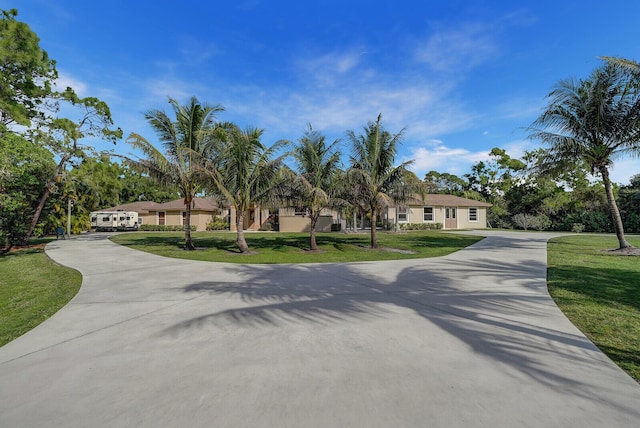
(437, 199)
(198, 204)
(141, 207)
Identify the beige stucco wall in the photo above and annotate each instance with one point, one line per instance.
(260, 217)
(302, 224)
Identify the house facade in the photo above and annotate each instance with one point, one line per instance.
(453, 212)
(174, 213)
(297, 220)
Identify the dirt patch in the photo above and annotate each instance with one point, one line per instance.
(314, 251)
(24, 247)
(632, 251)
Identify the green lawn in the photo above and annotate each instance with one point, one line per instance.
(599, 293)
(293, 247)
(32, 288)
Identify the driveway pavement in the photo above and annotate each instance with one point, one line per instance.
(467, 340)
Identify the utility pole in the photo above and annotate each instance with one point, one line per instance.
(69, 205)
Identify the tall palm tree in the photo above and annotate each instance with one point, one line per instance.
(596, 120)
(243, 171)
(317, 164)
(184, 140)
(373, 155)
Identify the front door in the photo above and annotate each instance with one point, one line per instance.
(450, 218)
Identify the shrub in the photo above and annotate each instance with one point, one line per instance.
(163, 228)
(528, 221)
(577, 227)
(218, 223)
(336, 227)
(420, 226)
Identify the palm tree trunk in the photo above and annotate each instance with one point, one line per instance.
(313, 219)
(240, 241)
(188, 244)
(355, 219)
(613, 208)
(374, 237)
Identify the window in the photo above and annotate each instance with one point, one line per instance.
(94, 219)
(121, 218)
(161, 218)
(184, 218)
(402, 214)
(106, 218)
(427, 214)
(300, 211)
(139, 220)
(473, 214)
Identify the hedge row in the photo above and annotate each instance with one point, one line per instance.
(420, 226)
(163, 228)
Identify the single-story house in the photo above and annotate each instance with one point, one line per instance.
(453, 212)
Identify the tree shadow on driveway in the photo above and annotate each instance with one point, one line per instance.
(501, 311)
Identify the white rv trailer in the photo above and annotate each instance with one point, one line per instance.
(114, 220)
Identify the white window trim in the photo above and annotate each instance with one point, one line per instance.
(405, 213)
(433, 214)
(477, 214)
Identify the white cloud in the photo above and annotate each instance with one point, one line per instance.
(66, 80)
(435, 155)
(458, 48)
(330, 68)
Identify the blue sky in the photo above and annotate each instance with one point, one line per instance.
(461, 76)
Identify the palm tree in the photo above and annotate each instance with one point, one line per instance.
(596, 120)
(183, 140)
(317, 165)
(243, 172)
(372, 167)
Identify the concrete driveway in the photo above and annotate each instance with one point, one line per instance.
(467, 340)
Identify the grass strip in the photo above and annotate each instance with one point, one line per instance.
(600, 293)
(32, 289)
(279, 248)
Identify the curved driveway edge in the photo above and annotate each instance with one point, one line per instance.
(467, 340)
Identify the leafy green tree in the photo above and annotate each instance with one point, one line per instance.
(446, 183)
(26, 73)
(372, 159)
(243, 171)
(23, 169)
(63, 135)
(596, 120)
(140, 187)
(316, 185)
(26, 81)
(630, 204)
(96, 183)
(185, 141)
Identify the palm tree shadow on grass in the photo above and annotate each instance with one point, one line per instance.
(504, 323)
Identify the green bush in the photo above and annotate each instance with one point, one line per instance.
(420, 226)
(163, 228)
(336, 227)
(218, 223)
(577, 228)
